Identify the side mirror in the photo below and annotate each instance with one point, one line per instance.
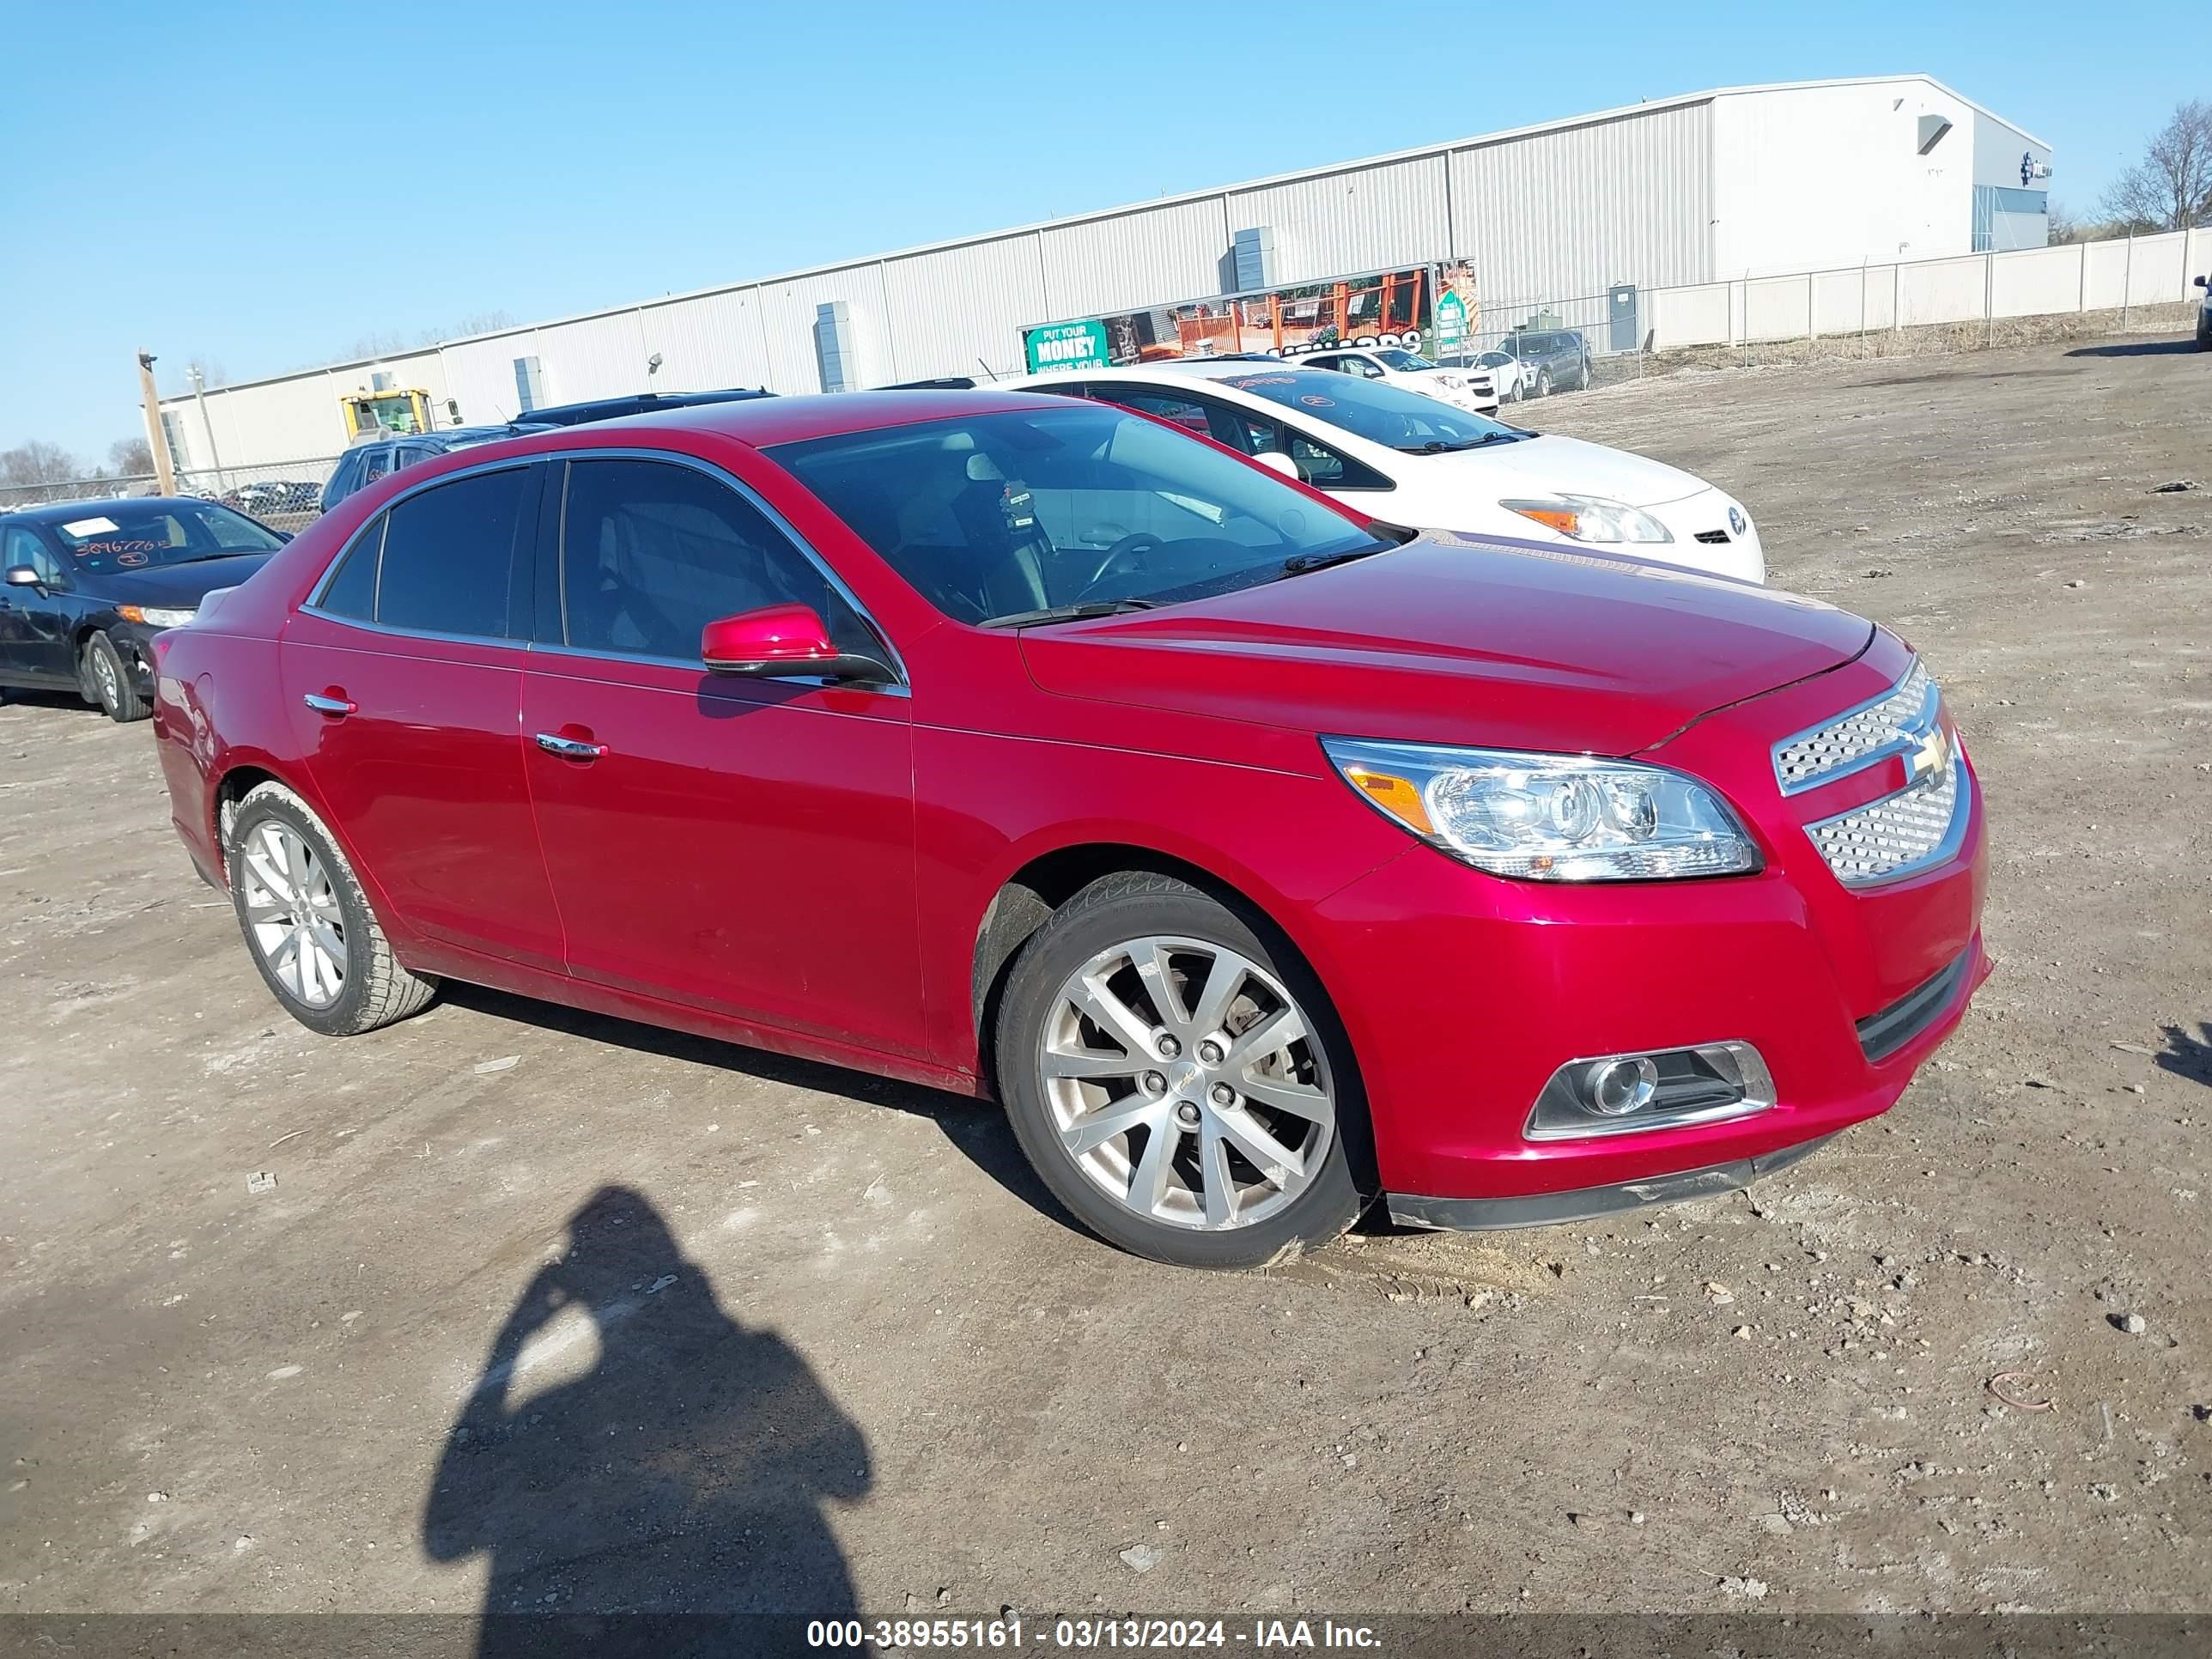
(23, 575)
(780, 641)
(1275, 461)
(2200, 281)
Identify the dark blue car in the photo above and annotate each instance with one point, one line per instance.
(88, 584)
(371, 459)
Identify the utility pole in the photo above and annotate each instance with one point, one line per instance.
(165, 479)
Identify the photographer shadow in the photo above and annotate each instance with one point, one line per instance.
(661, 1494)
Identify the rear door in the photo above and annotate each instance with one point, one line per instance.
(742, 846)
(403, 677)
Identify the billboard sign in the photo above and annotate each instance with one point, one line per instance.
(1065, 345)
(1376, 309)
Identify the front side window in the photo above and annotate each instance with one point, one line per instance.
(992, 517)
(131, 538)
(20, 547)
(448, 558)
(1186, 412)
(1378, 411)
(651, 551)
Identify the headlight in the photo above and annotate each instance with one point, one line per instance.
(1592, 518)
(1549, 817)
(154, 615)
(1451, 380)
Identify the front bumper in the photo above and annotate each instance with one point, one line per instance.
(1463, 994)
(1728, 552)
(1589, 1203)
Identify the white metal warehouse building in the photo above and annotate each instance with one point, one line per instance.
(1678, 193)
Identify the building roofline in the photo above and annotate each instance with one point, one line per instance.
(1446, 148)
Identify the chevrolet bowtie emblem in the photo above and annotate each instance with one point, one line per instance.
(1930, 760)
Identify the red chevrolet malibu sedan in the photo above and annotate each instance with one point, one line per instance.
(1260, 857)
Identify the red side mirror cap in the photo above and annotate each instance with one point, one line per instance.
(776, 639)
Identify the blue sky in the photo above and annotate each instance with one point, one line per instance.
(261, 185)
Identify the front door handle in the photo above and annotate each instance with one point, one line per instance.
(335, 707)
(569, 748)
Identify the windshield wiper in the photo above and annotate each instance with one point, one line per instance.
(1437, 446)
(1299, 564)
(1069, 612)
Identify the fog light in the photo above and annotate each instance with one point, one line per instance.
(1665, 1089)
(1614, 1088)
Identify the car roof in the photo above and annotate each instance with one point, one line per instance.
(639, 403)
(456, 435)
(63, 512)
(1169, 371)
(764, 421)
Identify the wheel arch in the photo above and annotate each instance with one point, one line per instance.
(1030, 894)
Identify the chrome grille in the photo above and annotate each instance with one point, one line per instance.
(1895, 835)
(1892, 724)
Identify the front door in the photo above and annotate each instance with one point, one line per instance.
(403, 679)
(36, 648)
(741, 846)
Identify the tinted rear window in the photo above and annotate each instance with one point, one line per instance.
(449, 557)
(351, 591)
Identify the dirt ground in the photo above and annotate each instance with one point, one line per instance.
(819, 1338)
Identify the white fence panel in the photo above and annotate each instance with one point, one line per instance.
(1839, 302)
(1941, 290)
(2156, 278)
(2105, 282)
(2035, 281)
(1687, 316)
(1778, 308)
(2200, 255)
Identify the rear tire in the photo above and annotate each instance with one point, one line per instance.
(107, 677)
(307, 923)
(1238, 1145)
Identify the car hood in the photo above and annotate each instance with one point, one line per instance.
(1547, 463)
(1454, 639)
(176, 585)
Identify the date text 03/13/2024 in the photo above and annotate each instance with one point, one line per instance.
(1087, 1635)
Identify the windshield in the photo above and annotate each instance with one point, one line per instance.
(1378, 412)
(1411, 362)
(159, 532)
(993, 517)
(1494, 359)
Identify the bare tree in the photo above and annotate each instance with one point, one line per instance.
(2171, 188)
(2063, 226)
(38, 463)
(131, 458)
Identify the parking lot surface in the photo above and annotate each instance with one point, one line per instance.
(508, 1307)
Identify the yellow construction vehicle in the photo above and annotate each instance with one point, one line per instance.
(374, 414)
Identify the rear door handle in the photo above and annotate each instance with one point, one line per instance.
(569, 748)
(335, 707)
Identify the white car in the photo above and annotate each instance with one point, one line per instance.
(1412, 460)
(1463, 388)
(1514, 379)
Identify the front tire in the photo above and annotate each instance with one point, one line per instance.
(1179, 1082)
(107, 677)
(1543, 383)
(307, 923)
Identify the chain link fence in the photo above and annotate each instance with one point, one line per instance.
(282, 495)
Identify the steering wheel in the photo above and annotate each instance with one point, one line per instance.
(1128, 551)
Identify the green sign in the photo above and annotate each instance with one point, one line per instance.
(1065, 345)
(1451, 322)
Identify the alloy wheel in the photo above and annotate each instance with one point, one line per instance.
(1186, 1084)
(292, 914)
(103, 675)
